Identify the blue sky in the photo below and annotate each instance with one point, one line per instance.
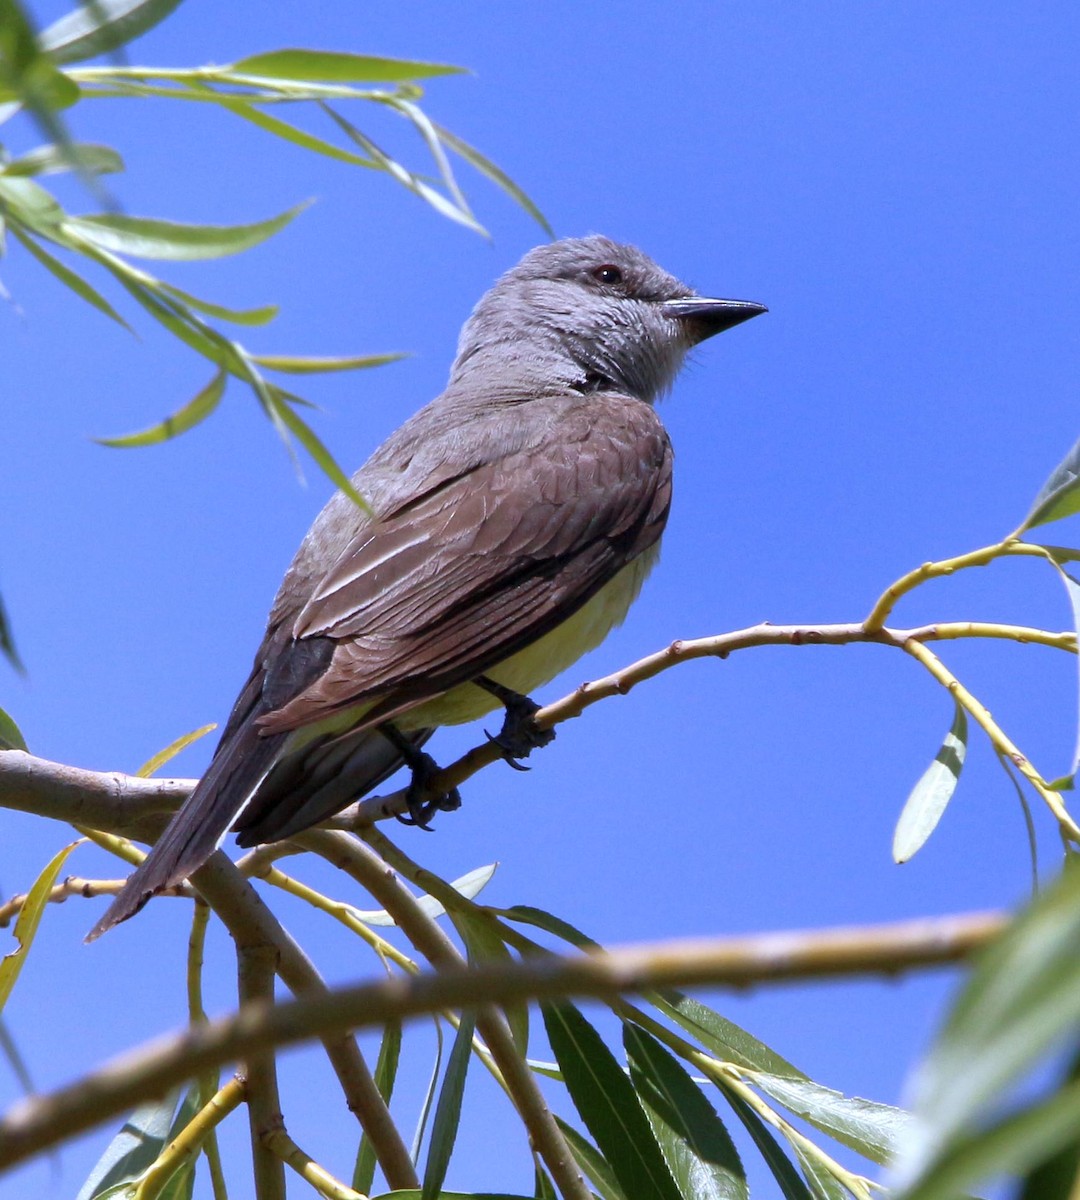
(898, 183)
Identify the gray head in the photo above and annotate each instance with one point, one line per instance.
(589, 314)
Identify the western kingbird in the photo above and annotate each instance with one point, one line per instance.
(513, 521)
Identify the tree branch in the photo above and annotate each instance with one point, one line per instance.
(42, 1121)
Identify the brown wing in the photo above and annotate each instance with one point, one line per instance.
(461, 576)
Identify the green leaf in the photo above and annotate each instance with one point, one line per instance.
(29, 75)
(149, 237)
(821, 1183)
(697, 1148)
(526, 915)
(306, 436)
(53, 160)
(471, 884)
(791, 1186)
(291, 133)
(69, 278)
(31, 204)
(196, 410)
(238, 316)
(385, 1077)
(1060, 494)
(414, 1194)
(605, 1100)
(138, 1144)
(1019, 1004)
(486, 167)
(332, 66)
(592, 1162)
(11, 737)
(723, 1038)
(7, 641)
(544, 1189)
(873, 1129)
(28, 920)
(429, 1092)
(157, 761)
(103, 25)
(1009, 1146)
(294, 364)
(10, 1050)
(929, 797)
(485, 945)
(448, 1111)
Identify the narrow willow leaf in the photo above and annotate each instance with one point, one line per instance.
(31, 204)
(1021, 1001)
(697, 1148)
(149, 237)
(486, 167)
(291, 133)
(404, 176)
(429, 1092)
(295, 364)
(281, 410)
(385, 1077)
(10, 1050)
(821, 1183)
(791, 1186)
(238, 316)
(28, 75)
(414, 1194)
(196, 410)
(485, 945)
(471, 884)
(137, 1145)
(605, 1100)
(929, 797)
(332, 66)
(873, 1129)
(1072, 589)
(69, 278)
(423, 125)
(448, 1111)
(1008, 1147)
(51, 160)
(723, 1038)
(7, 641)
(1060, 494)
(544, 1189)
(526, 915)
(29, 918)
(155, 763)
(11, 737)
(104, 25)
(592, 1162)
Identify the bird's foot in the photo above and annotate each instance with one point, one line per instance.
(422, 800)
(520, 735)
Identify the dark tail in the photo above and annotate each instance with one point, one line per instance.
(194, 833)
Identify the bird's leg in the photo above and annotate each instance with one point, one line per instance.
(520, 734)
(422, 804)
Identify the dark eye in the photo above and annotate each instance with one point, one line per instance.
(607, 273)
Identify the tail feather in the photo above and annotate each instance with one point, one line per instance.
(193, 834)
(303, 789)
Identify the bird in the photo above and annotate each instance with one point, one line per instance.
(507, 528)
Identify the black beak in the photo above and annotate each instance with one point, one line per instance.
(704, 317)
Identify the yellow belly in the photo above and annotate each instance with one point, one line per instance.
(544, 659)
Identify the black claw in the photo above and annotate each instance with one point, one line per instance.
(422, 804)
(519, 735)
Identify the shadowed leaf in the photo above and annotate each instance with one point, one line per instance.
(791, 1186)
(93, 29)
(385, 1077)
(69, 278)
(7, 641)
(52, 160)
(605, 1100)
(1060, 494)
(448, 1111)
(698, 1149)
(11, 737)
